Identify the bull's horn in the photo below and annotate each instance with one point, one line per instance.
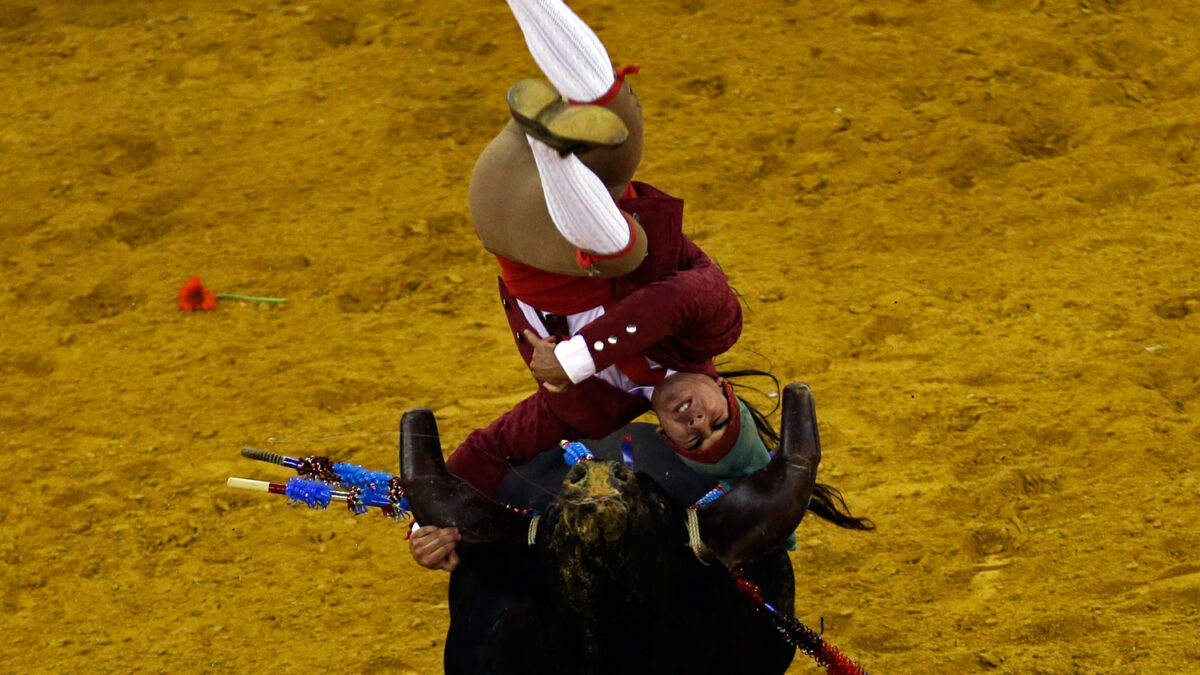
(760, 512)
(440, 498)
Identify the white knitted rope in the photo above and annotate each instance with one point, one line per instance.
(693, 528)
(533, 523)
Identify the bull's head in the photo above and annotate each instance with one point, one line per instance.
(598, 502)
(757, 515)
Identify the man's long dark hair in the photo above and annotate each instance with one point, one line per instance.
(827, 502)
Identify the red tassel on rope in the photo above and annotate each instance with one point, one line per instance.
(797, 634)
(835, 662)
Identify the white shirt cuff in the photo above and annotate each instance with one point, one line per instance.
(575, 359)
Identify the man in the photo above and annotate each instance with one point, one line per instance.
(604, 294)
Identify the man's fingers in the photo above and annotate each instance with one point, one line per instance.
(444, 538)
(535, 340)
(544, 364)
(431, 535)
(436, 556)
(433, 546)
(450, 562)
(422, 533)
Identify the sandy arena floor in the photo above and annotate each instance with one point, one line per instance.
(971, 226)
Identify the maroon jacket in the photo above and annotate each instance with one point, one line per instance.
(676, 308)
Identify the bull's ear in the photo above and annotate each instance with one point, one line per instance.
(761, 511)
(440, 498)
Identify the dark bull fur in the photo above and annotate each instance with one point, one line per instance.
(610, 586)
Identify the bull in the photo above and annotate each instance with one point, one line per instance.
(606, 580)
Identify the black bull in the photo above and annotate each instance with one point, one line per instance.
(609, 584)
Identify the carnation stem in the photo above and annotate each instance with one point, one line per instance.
(247, 298)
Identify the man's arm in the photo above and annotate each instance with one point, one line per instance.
(513, 439)
(694, 308)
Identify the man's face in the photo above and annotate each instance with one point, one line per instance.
(692, 410)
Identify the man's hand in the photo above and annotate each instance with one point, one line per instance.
(433, 547)
(544, 365)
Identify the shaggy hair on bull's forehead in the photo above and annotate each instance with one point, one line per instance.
(608, 533)
(598, 500)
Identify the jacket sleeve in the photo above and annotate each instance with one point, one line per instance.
(692, 314)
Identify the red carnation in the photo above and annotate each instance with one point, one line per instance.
(193, 296)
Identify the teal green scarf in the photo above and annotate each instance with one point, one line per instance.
(748, 454)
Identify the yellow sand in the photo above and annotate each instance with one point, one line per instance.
(971, 226)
